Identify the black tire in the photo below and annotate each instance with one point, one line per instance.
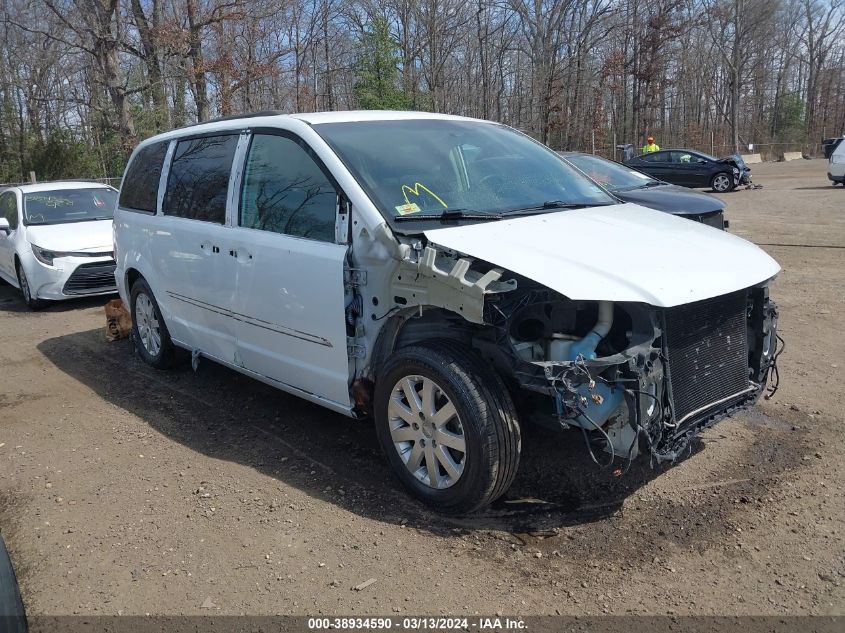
(12, 613)
(26, 291)
(717, 179)
(486, 412)
(163, 357)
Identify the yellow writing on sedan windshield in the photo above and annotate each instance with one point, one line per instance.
(416, 191)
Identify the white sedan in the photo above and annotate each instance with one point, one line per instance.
(56, 240)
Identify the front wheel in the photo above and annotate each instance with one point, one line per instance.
(722, 182)
(152, 340)
(447, 426)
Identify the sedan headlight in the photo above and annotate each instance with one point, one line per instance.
(839, 159)
(45, 256)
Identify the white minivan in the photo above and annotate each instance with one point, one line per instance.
(450, 277)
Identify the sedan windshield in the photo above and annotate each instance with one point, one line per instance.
(60, 206)
(437, 168)
(612, 176)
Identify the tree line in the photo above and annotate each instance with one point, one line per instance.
(82, 81)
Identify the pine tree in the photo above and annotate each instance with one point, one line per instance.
(377, 70)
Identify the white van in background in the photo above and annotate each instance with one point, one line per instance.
(836, 165)
(449, 277)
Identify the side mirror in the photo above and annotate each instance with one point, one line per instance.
(701, 161)
(4, 226)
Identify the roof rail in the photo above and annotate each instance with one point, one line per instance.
(98, 181)
(246, 115)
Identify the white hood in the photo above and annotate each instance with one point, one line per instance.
(616, 253)
(73, 237)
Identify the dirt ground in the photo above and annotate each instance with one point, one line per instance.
(124, 490)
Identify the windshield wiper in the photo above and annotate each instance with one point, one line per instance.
(450, 214)
(550, 205)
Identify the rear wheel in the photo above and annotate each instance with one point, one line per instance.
(447, 426)
(722, 182)
(152, 340)
(26, 290)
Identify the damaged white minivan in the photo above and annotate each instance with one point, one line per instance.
(450, 277)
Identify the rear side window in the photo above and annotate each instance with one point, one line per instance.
(682, 158)
(198, 183)
(139, 190)
(9, 209)
(286, 191)
(654, 157)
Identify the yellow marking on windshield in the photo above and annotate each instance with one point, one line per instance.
(416, 191)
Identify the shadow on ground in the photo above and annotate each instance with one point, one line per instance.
(11, 300)
(222, 414)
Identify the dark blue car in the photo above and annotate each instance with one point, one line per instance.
(689, 168)
(630, 185)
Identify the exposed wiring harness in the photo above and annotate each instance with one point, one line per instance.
(564, 384)
(772, 371)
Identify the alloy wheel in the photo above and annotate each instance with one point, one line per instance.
(427, 432)
(721, 183)
(149, 330)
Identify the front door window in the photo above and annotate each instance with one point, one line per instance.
(285, 191)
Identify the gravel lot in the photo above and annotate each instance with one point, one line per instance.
(124, 490)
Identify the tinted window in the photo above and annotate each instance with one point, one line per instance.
(683, 158)
(139, 190)
(609, 174)
(9, 209)
(654, 157)
(199, 178)
(285, 191)
(427, 167)
(61, 206)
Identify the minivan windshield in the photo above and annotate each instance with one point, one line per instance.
(60, 206)
(430, 168)
(612, 176)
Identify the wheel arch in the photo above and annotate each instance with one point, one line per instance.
(413, 327)
(130, 277)
(18, 264)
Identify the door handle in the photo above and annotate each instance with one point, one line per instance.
(239, 254)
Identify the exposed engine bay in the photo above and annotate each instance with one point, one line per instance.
(633, 378)
(636, 377)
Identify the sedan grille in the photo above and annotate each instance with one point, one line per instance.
(707, 352)
(91, 278)
(716, 220)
